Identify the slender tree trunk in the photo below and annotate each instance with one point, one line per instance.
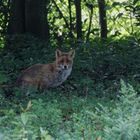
(70, 17)
(16, 24)
(78, 19)
(90, 22)
(102, 18)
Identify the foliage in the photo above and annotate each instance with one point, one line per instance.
(121, 121)
(119, 14)
(91, 104)
(4, 10)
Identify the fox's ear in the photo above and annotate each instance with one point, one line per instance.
(58, 53)
(72, 53)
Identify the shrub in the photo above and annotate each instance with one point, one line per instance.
(121, 122)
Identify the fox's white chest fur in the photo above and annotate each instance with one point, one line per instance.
(61, 77)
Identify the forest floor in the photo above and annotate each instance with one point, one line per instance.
(99, 101)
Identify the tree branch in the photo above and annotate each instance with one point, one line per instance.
(61, 14)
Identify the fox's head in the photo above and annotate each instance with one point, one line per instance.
(64, 61)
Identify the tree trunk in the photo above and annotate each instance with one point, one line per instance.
(78, 19)
(16, 24)
(36, 18)
(70, 17)
(29, 16)
(102, 18)
(90, 22)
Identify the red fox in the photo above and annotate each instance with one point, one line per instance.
(43, 76)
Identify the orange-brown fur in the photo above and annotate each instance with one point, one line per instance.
(43, 76)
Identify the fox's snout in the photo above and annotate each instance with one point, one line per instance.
(65, 67)
(64, 63)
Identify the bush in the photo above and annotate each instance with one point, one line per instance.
(121, 122)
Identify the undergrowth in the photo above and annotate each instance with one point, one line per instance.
(99, 101)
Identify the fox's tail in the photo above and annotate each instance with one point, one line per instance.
(7, 86)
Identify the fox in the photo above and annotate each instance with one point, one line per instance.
(44, 76)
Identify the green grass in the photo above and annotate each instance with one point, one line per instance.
(58, 112)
